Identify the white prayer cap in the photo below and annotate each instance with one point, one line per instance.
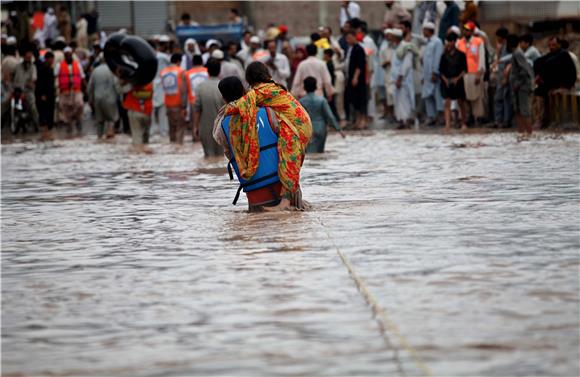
(456, 30)
(155, 37)
(11, 40)
(255, 39)
(50, 11)
(60, 39)
(67, 49)
(164, 39)
(388, 31)
(217, 54)
(429, 25)
(4, 36)
(397, 33)
(212, 42)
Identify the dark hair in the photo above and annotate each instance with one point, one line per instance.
(235, 11)
(406, 24)
(185, 16)
(364, 27)
(267, 42)
(527, 38)
(502, 32)
(231, 88)
(329, 52)
(512, 41)
(214, 67)
(451, 37)
(311, 50)
(355, 22)
(352, 32)
(314, 37)
(564, 44)
(48, 55)
(329, 29)
(175, 58)
(310, 84)
(197, 60)
(247, 32)
(257, 73)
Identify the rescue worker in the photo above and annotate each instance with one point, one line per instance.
(474, 49)
(71, 79)
(175, 89)
(138, 102)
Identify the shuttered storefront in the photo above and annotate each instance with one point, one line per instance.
(114, 15)
(150, 17)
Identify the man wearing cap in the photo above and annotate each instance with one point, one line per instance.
(402, 76)
(71, 79)
(253, 53)
(385, 59)
(210, 46)
(474, 49)
(227, 68)
(430, 88)
(9, 59)
(277, 64)
(159, 118)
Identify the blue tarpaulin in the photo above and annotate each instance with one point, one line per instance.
(201, 33)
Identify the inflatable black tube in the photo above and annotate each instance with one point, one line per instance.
(131, 58)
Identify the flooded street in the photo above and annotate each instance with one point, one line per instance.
(132, 265)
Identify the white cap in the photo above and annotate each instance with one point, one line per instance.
(388, 31)
(11, 40)
(397, 33)
(429, 25)
(164, 38)
(255, 39)
(455, 29)
(60, 39)
(67, 49)
(217, 54)
(212, 42)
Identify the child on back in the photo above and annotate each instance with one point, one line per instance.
(320, 115)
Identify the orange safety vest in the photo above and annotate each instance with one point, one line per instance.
(260, 54)
(195, 76)
(68, 81)
(171, 79)
(140, 99)
(472, 54)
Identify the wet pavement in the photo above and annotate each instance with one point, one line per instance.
(131, 265)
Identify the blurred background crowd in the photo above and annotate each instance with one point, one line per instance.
(388, 64)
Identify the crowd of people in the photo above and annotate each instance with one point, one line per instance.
(432, 66)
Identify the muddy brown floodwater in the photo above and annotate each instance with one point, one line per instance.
(128, 265)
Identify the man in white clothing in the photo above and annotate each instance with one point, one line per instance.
(277, 64)
(348, 11)
(402, 75)
(316, 68)
(430, 84)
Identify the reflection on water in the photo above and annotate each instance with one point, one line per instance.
(121, 264)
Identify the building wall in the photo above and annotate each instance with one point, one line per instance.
(205, 12)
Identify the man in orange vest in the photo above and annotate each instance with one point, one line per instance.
(474, 49)
(194, 76)
(138, 102)
(71, 80)
(175, 89)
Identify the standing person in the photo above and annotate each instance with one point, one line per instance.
(50, 26)
(82, 35)
(450, 18)
(195, 76)
(210, 46)
(530, 51)
(521, 77)
(402, 76)
(431, 90)
(320, 116)
(277, 64)
(425, 11)
(9, 59)
(385, 59)
(190, 49)
(227, 68)
(452, 69)
(103, 92)
(208, 101)
(371, 51)
(64, 24)
(25, 76)
(474, 50)
(299, 56)
(138, 101)
(159, 118)
(502, 99)
(46, 95)
(71, 79)
(355, 94)
(348, 11)
(175, 89)
(314, 67)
